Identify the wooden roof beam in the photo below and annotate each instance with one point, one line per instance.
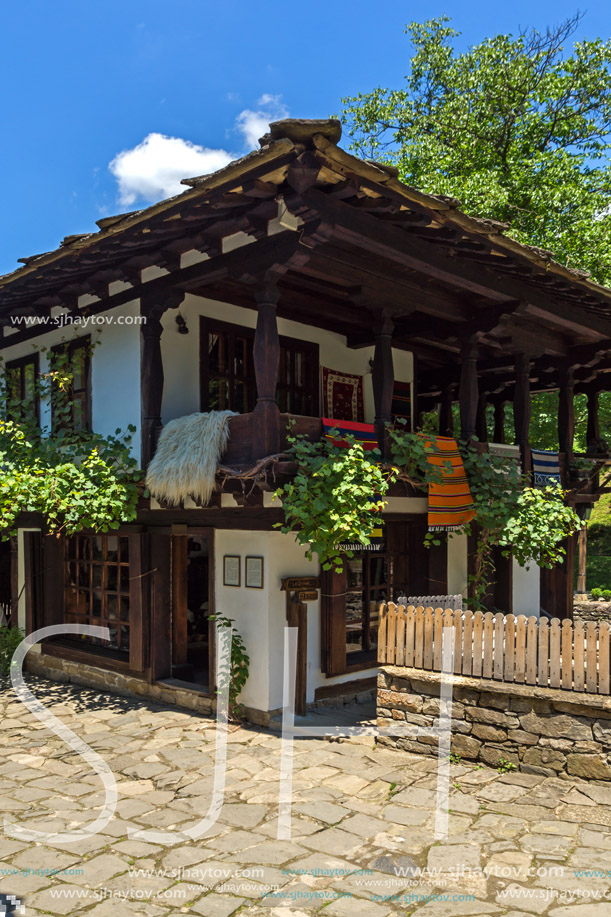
(367, 232)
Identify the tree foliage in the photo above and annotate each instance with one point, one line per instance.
(517, 127)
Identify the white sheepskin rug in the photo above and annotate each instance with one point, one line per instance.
(187, 456)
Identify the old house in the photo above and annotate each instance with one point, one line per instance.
(296, 283)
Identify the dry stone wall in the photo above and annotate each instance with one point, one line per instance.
(592, 610)
(539, 730)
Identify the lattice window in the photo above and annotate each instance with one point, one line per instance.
(97, 586)
(22, 389)
(228, 374)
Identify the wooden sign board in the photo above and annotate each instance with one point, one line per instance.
(296, 583)
(307, 596)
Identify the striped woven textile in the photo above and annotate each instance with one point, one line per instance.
(507, 451)
(336, 430)
(450, 502)
(546, 468)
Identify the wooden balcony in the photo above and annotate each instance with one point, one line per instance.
(243, 452)
(244, 436)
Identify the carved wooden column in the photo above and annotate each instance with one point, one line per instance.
(151, 380)
(468, 391)
(594, 445)
(522, 407)
(566, 411)
(498, 435)
(383, 377)
(446, 415)
(480, 422)
(151, 369)
(266, 359)
(582, 557)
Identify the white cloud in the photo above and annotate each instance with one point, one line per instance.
(152, 170)
(253, 124)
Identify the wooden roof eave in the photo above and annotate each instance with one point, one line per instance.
(477, 228)
(378, 181)
(264, 158)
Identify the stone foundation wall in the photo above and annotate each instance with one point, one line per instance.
(79, 673)
(91, 676)
(592, 610)
(540, 730)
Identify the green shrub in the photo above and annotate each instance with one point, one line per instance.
(10, 638)
(606, 594)
(596, 592)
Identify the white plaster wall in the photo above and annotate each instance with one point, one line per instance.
(526, 581)
(115, 379)
(405, 505)
(526, 586)
(260, 614)
(457, 565)
(181, 353)
(115, 368)
(248, 607)
(287, 558)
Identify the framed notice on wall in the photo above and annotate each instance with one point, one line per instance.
(254, 572)
(231, 570)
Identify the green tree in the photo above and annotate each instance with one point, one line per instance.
(517, 128)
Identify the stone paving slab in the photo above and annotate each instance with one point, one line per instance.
(362, 842)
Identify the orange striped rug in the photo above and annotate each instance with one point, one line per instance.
(450, 501)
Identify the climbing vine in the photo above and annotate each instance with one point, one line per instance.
(75, 478)
(335, 497)
(239, 667)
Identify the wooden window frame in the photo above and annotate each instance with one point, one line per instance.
(54, 609)
(334, 658)
(311, 387)
(81, 343)
(289, 345)
(79, 554)
(19, 365)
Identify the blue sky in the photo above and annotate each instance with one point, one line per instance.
(85, 82)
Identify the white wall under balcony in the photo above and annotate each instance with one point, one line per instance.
(457, 565)
(526, 589)
(181, 353)
(260, 614)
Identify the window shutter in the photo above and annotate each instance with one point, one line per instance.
(139, 586)
(159, 582)
(333, 622)
(33, 569)
(53, 580)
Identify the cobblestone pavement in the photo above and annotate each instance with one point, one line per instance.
(362, 840)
